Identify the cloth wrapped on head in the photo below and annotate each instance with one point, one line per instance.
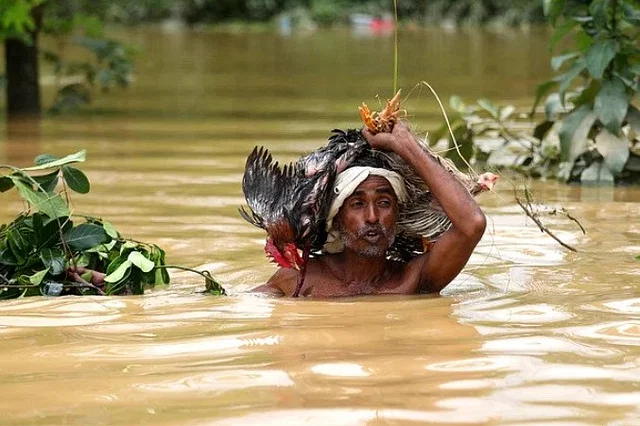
(345, 184)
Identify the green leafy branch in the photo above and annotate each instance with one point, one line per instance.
(47, 250)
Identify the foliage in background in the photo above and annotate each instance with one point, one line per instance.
(71, 22)
(591, 129)
(598, 124)
(39, 247)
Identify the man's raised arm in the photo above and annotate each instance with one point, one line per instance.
(453, 249)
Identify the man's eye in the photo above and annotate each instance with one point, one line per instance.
(384, 203)
(357, 203)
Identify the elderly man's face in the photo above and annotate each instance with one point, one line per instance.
(367, 219)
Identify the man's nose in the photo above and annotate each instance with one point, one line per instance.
(372, 214)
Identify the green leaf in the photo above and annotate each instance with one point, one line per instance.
(18, 244)
(598, 10)
(110, 229)
(161, 277)
(611, 104)
(78, 157)
(85, 236)
(541, 91)
(457, 104)
(47, 182)
(614, 149)
(631, 14)
(53, 259)
(119, 273)
(44, 159)
(553, 9)
(557, 61)
(76, 180)
(596, 174)
(50, 204)
(574, 131)
(560, 32)
(138, 259)
(542, 129)
(588, 94)
(553, 107)
(488, 106)
(633, 118)
(565, 79)
(37, 278)
(5, 183)
(506, 111)
(599, 55)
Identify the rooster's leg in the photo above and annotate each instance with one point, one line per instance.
(303, 270)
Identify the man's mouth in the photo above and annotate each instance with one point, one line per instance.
(372, 236)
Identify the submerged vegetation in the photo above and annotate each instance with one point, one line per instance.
(49, 250)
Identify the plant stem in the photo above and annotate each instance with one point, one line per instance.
(395, 50)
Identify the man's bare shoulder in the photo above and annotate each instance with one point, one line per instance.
(281, 283)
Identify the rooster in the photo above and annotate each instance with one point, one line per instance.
(291, 203)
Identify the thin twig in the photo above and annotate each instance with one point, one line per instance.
(576, 221)
(84, 283)
(3, 278)
(532, 216)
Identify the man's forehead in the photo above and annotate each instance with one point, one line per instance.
(374, 183)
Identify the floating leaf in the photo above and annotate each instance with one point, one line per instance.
(615, 150)
(138, 259)
(85, 236)
(76, 179)
(599, 55)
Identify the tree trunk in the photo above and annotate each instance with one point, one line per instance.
(21, 59)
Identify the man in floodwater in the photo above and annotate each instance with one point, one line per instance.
(362, 223)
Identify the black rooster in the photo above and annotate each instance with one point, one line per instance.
(291, 203)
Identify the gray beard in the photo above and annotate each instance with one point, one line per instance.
(350, 240)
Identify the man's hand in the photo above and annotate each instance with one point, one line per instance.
(395, 141)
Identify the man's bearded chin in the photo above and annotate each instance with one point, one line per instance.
(356, 242)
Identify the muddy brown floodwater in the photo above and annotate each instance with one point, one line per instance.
(528, 334)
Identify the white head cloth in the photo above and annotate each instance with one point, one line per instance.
(346, 183)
